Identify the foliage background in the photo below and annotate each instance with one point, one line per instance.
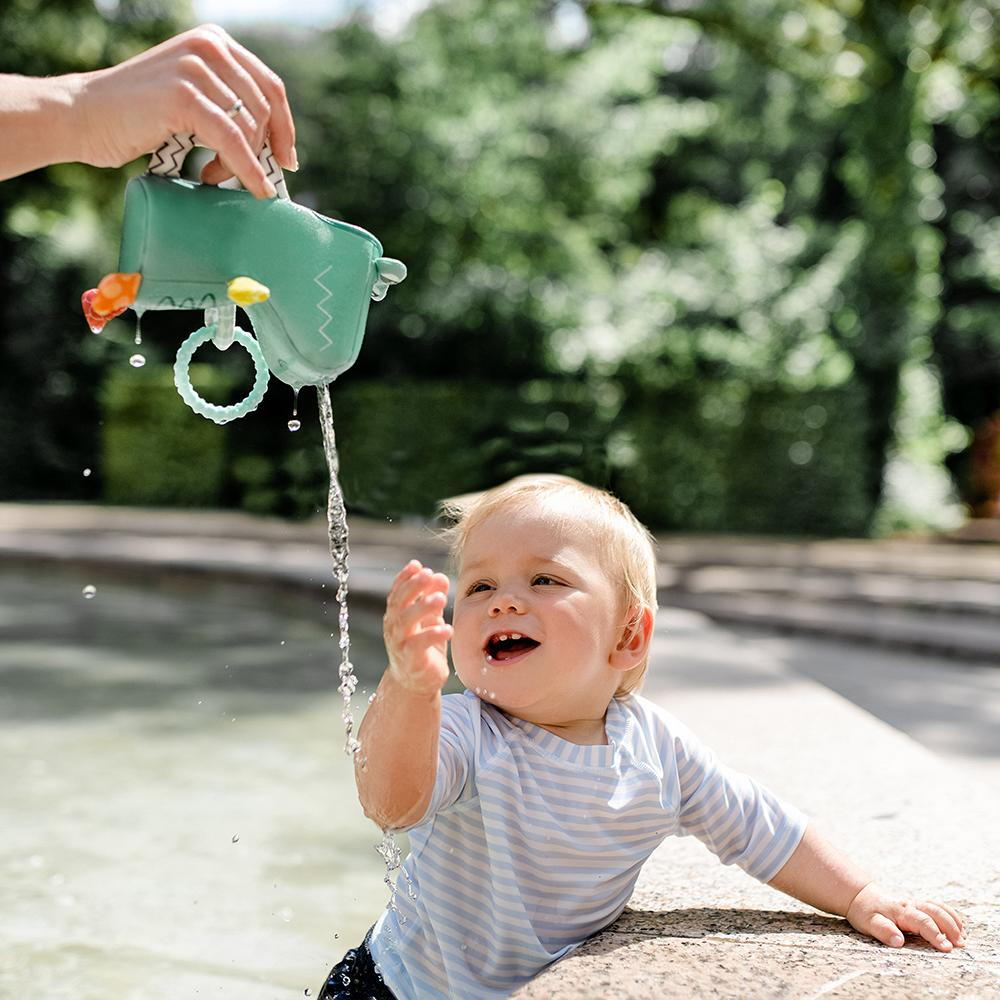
(736, 260)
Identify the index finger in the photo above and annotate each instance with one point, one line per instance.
(280, 125)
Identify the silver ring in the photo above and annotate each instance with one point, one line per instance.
(235, 109)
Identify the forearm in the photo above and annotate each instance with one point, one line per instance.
(397, 764)
(820, 875)
(38, 122)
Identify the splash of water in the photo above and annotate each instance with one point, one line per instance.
(336, 514)
(388, 851)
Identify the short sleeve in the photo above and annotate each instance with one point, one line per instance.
(456, 754)
(737, 819)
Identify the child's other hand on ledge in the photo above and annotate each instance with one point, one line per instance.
(886, 915)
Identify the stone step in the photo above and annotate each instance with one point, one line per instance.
(942, 633)
(869, 588)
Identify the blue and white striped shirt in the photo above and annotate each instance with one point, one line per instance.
(531, 844)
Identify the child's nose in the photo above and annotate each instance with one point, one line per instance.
(506, 604)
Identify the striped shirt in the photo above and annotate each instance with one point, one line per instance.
(531, 844)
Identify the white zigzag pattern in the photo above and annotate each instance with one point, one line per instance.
(319, 306)
(176, 147)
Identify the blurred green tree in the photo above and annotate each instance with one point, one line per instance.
(670, 245)
(53, 229)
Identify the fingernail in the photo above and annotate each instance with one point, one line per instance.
(896, 940)
(961, 941)
(295, 160)
(270, 189)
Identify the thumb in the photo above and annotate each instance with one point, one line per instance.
(884, 930)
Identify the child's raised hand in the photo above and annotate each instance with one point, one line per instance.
(416, 636)
(886, 915)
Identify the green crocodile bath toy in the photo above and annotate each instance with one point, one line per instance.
(305, 280)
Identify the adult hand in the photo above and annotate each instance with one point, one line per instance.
(187, 84)
(416, 636)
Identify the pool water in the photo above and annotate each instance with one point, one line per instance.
(179, 818)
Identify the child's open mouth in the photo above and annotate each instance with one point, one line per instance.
(505, 647)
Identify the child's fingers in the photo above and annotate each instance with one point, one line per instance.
(916, 921)
(412, 581)
(409, 570)
(426, 609)
(947, 921)
(884, 930)
(433, 635)
(412, 592)
(954, 914)
(406, 587)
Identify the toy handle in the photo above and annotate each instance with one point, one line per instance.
(168, 159)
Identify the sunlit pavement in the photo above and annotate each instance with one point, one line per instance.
(145, 731)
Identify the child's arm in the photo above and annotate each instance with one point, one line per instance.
(820, 875)
(397, 763)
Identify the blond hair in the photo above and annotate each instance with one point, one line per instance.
(628, 547)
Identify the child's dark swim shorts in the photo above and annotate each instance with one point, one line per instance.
(354, 977)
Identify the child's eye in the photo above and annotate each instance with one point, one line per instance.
(477, 588)
(544, 581)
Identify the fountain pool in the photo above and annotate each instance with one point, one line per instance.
(179, 818)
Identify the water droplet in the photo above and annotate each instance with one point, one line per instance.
(96, 329)
(295, 402)
(294, 425)
(89, 591)
(336, 937)
(282, 642)
(137, 361)
(236, 838)
(306, 992)
(86, 472)
(138, 336)
(200, 702)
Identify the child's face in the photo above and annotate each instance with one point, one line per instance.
(523, 575)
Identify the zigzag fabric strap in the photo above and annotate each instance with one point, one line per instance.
(168, 159)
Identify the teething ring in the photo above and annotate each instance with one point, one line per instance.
(182, 378)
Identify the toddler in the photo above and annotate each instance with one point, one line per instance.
(533, 799)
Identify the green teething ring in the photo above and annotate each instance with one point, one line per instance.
(182, 378)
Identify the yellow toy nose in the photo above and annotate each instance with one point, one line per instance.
(245, 291)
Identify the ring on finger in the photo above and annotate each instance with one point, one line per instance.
(234, 110)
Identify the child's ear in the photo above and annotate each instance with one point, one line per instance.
(633, 644)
